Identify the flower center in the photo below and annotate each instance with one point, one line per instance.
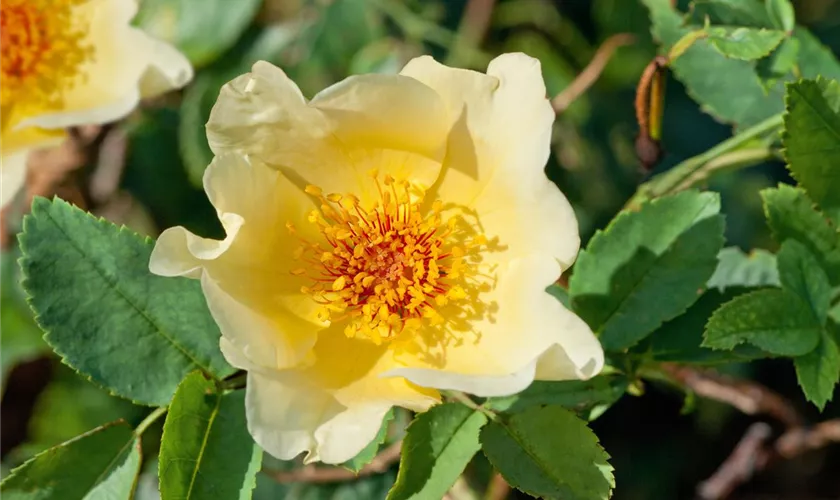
(386, 268)
(43, 50)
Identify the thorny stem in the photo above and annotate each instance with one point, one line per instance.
(150, 419)
(685, 174)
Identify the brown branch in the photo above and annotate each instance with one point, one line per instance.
(591, 72)
(748, 456)
(315, 474)
(755, 453)
(499, 489)
(746, 396)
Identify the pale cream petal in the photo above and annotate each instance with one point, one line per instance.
(168, 69)
(496, 354)
(345, 435)
(387, 122)
(578, 356)
(332, 408)
(268, 338)
(498, 148)
(12, 176)
(284, 413)
(124, 60)
(247, 277)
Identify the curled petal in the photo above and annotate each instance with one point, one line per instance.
(388, 123)
(248, 277)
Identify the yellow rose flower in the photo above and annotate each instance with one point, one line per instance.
(73, 62)
(391, 238)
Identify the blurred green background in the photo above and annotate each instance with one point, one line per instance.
(146, 172)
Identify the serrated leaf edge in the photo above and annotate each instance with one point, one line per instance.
(41, 203)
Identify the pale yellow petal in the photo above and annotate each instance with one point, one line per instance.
(498, 148)
(167, 68)
(497, 353)
(247, 277)
(284, 413)
(386, 122)
(332, 408)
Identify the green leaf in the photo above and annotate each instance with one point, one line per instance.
(711, 78)
(812, 140)
(548, 452)
(580, 396)
(647, 266)
(735, 268)
(106, 314)
(206, 451)
(779, 64)
(800, 272)
(774, 320)
(438, 445)
(364, 457)
(99, 465)
(747, 44)
(815, 59)
(201, 29)
(680, 340)
(781, 14)
(732, 12)
(791, 215)
(819, 370)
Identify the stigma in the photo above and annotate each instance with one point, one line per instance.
(386, 269)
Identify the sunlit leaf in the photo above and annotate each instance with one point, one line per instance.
(548, 452)
(106, 314)
(99, 465)
(206, 451)
(774, 320)
(812, 140)
(647, 267)
(437, 447)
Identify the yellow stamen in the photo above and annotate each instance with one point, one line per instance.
(391, 266)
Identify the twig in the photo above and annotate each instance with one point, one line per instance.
(315, 474)
(591, 72)
(747, 457)
(749, 397)
(755, 453)
(797, 441)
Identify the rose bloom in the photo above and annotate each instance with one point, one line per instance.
(73, 62)
(390, 238)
